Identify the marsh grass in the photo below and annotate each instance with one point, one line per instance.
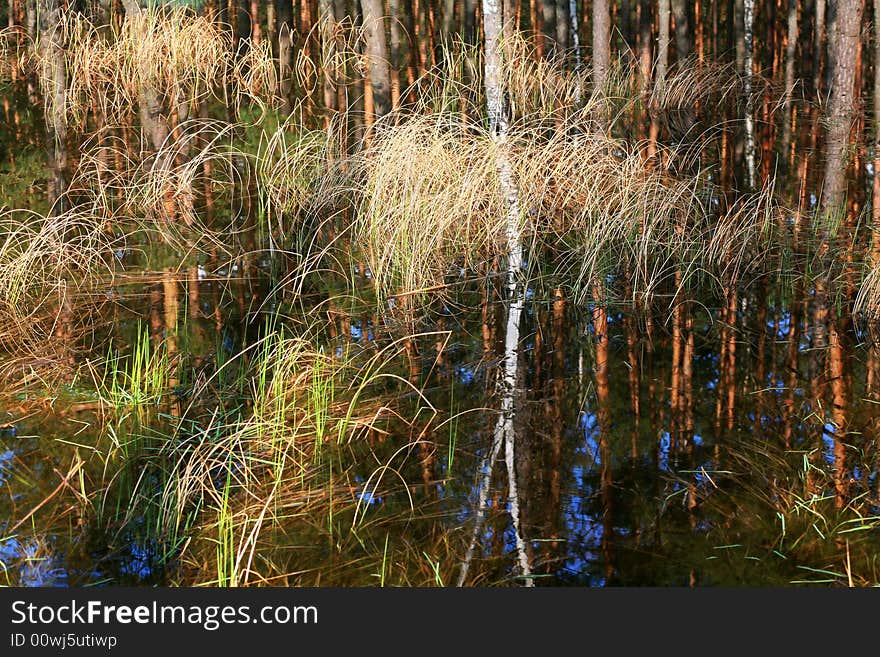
(237, 477)
(293, 459)
(786, 508)
(183, 56)
(52, 272)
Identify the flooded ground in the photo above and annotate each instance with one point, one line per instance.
(623, 479)
(267, 352)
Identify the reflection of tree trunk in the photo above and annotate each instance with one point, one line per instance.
(837, 366)
(726, 390)
(170, 293)
(632, 358)
(687, 375)
(603, 403)
(675, 372)
(559, 381)
(761, 355)
(731, 356)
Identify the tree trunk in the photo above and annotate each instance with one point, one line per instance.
(748, 64)
(377, 55)
(563, 20)
(682, 30)
(842, 103)
(284, 18)
(153, 120)
(790, 53)
(548, 14)
(659, 73)
(875, 196)
(504, 433)
(662, 44)
(819, 45)
(54, 79)
(601, 45)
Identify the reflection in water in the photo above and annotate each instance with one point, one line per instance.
(620, 478)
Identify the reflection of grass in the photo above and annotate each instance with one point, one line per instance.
(780, 508)
(25, 185)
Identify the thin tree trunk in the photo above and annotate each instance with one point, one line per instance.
(377, 55)
(396, 50)
(284, 19)
(507, 381)
(875, 195)
(682, 30)
(659, 73)
(819, 46)
(54, 79)
(575, 35)
(548, 14)
(748, 73)
(563, 20)
(601, 53)
(790, 52)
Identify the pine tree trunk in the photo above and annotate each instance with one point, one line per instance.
(284, 18)
(790, 52)
(842, 102)
(377, 55)
(54, 79)
(682, 30)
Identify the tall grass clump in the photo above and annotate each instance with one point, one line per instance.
(52, 272)
(183, 57)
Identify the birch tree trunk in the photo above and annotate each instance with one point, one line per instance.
(875, 196)
(505, 432)
(748, 64)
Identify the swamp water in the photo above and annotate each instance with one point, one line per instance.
(643, 475)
